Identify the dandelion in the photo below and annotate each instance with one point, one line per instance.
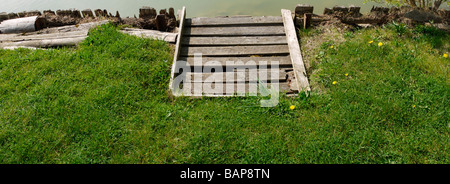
(371, 42)
(414, 106)
(346, 74)
(331, 47)
(334, 82)
(380, 44)
(445, 55)
(292, 107)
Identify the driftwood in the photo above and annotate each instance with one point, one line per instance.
(22, 25)
(48, 38)
(167, 37)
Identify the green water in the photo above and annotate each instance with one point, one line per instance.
(195, 8)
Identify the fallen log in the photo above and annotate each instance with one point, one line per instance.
(48, 43)
(22, 25)
(158, 35)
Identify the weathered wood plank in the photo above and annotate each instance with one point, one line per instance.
(177, 49)
(158, 35)
(229, 89)
(235, 41)
(236, 31)
(236, 51)
(295, 52)
(239, 61)
(201, 21)
(238, 76)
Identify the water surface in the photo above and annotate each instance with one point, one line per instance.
(195, 8)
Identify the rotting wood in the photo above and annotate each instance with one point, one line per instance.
(295, 52)
(177, 49)
(233, 41)
(236, 51)
(236, 31)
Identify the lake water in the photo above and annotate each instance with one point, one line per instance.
(195, 8)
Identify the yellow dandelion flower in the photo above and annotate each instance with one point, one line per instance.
(331, 47)
(292, 107)
(380, 44)
(414, 106)
(445, 55)
(334, 82)
(346, 74)
(371, 42)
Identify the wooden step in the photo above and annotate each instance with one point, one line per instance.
(234, 41)
(202, 21)
(282, 61)
(236, 51)
(235, 31)
(238, 76)
(232, 88)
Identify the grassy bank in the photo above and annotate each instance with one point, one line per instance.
(107, 102)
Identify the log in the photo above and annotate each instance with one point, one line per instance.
(22, 25)
(167, 37)
(50, 43)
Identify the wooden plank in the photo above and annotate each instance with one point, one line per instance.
(236, 41)
(157, 35)
(236, 31)
(188, 88)
(177, 49)
(202, 21)
(239, 61)
(295, 52)
(239, 76)
(236, 51)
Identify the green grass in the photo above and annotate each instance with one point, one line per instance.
(107, 102)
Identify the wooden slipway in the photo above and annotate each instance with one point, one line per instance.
(267, 46)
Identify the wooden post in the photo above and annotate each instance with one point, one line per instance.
(307, 20)
(87, 13)
(3, 16)
(161, 23)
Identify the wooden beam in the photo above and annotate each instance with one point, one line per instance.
(233, 41)
(236, 31)
(177, 49)
(239, 76)
(295, 52)
(282, 61)
(236, 50)
(188, 88)
(229, 21)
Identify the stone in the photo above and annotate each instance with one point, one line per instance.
(301, 9)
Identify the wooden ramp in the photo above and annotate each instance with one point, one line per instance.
(235, 47)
